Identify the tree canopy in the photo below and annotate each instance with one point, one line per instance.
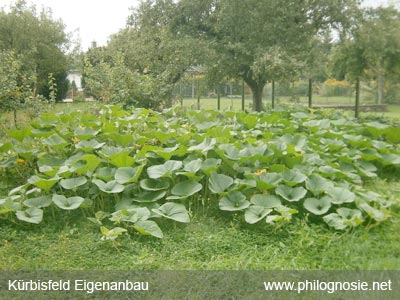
(258, 40)
(372, 48)
(39, 43)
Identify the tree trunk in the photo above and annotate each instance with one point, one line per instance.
(257, 90)
(257, 97)
(257, 87)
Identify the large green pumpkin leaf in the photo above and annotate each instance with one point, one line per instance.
(185, 189)
(122, 159)
(49, 171)
(39, 202)
(150, 184)
(344, 218)
(391, 159)
(173, 211)
(392, 135)
(21, 134)
(149, 196)
(5, 147)
(42, 183)
(111, 234)
(111, 187)
(376, 214)
(131, 215)
(318, 184)
(293, 177)
(164, 170)
(266, 201)
(89, 146)
(85, 133)
(148, 228)
(167, 153)
(341, 195)
(31, 215)
(317, 206)
(292, 194)
(82, 163)
(219, 183)
(8, 205)
(105, 173)
(234, 201)
(253, 214)
(73, 183)
(121, 139)
(128, 174)
(298, 141)
(55, 141)
(366, 169)
(210, 165)
(207, 145)
(67, 203)
(335, 221)
(193, 166)
(266, 181)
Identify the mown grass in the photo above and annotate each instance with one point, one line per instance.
(235, 103)
(209, 242)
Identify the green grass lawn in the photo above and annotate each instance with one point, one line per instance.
(235, 104)
(209, 242)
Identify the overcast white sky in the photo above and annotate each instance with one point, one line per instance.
(98, 19)
(95, 19)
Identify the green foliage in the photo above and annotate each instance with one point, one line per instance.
(371, 49)
(154, 51)
(14, 82)
(260, 41)
(111, 81)
(52, 89)
(269, 167)
(40, 42)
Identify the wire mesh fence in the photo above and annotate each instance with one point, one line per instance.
(236, 95)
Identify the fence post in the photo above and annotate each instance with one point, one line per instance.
(181, 93)
(198, 95)
(219, 96)
(273, 94)
(357, 106)
(310, 93)
(243, 95)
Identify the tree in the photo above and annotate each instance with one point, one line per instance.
(371, 50)
(14, 83)
(40, 43)
(258, 40)
(151, 49)
(108, 79)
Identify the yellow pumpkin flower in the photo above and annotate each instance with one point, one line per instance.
(261, 171)
(75, 140)
(20, 160)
